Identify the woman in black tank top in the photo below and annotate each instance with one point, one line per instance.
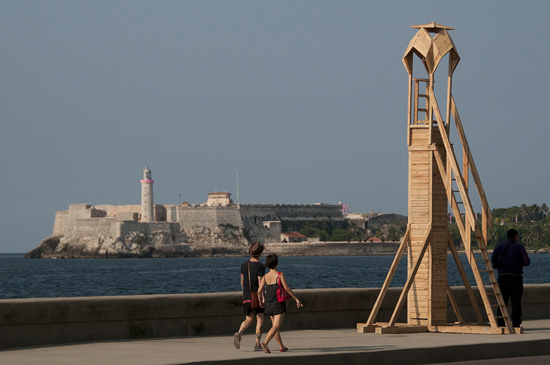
(273, 308)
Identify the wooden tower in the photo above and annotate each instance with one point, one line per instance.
(436, 181)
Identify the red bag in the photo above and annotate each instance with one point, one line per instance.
(282, 294)
(254, 300)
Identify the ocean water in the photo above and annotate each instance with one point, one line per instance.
(44, 278)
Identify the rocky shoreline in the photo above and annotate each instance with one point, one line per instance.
(136, 246)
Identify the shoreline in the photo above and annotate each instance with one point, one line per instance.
(301, 249)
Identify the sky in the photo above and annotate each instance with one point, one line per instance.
(305, 100)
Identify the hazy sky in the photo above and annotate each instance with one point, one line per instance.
(306, 100)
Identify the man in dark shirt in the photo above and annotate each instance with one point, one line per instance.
(254, 270)
(509, 258)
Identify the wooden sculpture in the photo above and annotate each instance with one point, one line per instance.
(436, 180)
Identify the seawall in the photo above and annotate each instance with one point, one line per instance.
(332, 248)
(40, 322)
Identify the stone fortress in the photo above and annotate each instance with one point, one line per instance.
(217, 227)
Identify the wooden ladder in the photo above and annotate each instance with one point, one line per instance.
(452, 174)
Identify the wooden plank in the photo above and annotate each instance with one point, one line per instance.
(401, 329)
(422, 146)
(409, 110)
(485, 330)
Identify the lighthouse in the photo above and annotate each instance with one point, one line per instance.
(147, 208)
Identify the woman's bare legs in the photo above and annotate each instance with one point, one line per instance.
(279, 340)
(276, 321)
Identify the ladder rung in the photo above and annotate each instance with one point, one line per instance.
(485, 270)
(482, 259)
(459, 203)
(489, 282)
(423, 95)
(422, 110)
(501, 316)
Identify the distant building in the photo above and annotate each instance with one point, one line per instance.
(292, 237)
(219, 199)
(260, 222)
(374, 239)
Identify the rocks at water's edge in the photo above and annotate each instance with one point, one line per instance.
(191, 242)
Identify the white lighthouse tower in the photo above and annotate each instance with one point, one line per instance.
(147, 208)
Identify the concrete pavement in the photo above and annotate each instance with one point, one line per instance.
(341, 346)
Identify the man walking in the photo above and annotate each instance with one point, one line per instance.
(509, 258)
(252, 272)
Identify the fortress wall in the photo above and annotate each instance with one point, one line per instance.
(171, 213)
(60, 223)
(199, 216)
(229, 215)
(203, 216)
(88, 227)
(166, 228)
(113, 210)
(49, 321)
(258, 213)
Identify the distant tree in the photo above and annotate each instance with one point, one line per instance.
(340, 234)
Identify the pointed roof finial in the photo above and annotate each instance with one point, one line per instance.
(432, 27)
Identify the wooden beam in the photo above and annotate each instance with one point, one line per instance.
(452, 299)
(465, 280)
(472, 164)
(451, 198)
(454, 163)
(389, 277)
(410, 279)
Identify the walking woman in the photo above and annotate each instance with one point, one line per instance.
(275, 309)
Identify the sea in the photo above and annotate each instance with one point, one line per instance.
(49, 278)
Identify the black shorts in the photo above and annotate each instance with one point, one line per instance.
(247, 310)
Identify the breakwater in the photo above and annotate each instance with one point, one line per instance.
(332, 248)
(40, 322)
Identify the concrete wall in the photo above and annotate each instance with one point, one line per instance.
(39, 322)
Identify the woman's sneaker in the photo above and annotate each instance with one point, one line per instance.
(258, 348)
(237, 340)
